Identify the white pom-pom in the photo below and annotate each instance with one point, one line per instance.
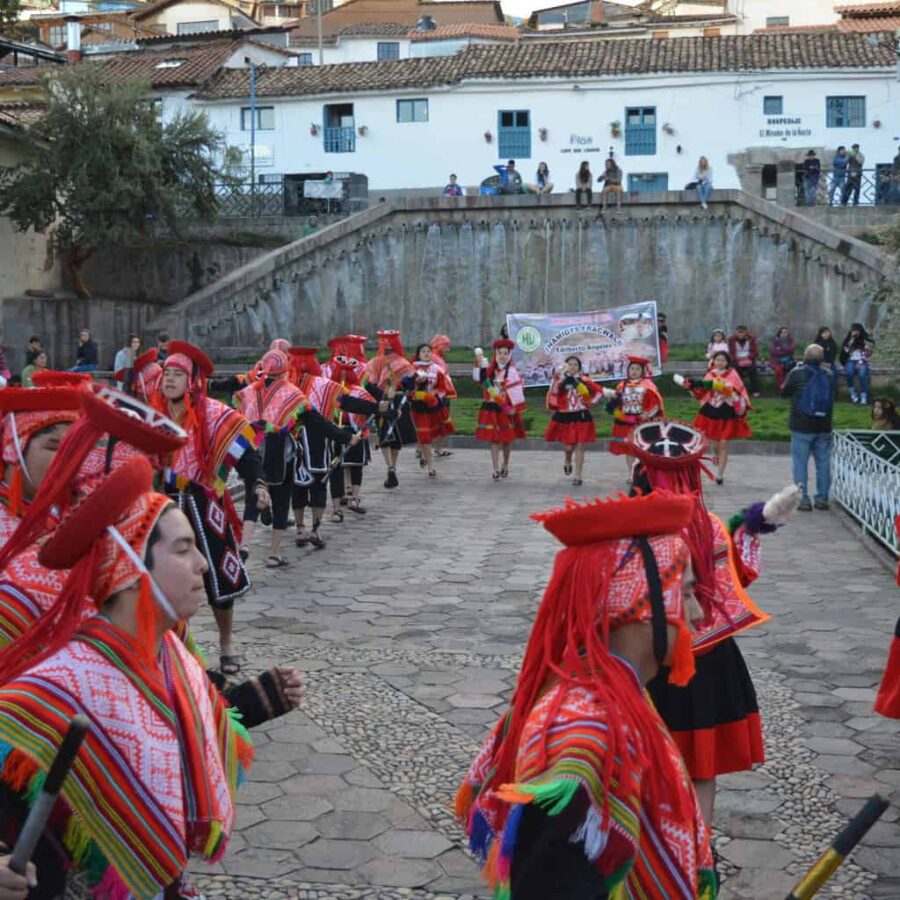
(608, 393)
(780, 506)
(679, 380)
(479, 353)
(2, 382)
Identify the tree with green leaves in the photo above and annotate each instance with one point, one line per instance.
(104, 170)
(9, 18)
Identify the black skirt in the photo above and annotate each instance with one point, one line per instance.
(715, 718)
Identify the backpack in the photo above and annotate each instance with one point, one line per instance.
(817, 398)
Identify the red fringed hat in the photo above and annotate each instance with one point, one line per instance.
(639, 360)
(280, 344)
(504, 342)
(389, 339)
(303, 361)
(440, 344)
(46, 378)
(273, 364)
(189, 358)
(611, 518)
(32, 410)
(665, 444)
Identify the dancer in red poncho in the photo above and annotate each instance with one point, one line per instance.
(635, 400)
(888, 701)
(440, 344)
(427, 389)
(500, 416)
(571, 396)
(724, 405)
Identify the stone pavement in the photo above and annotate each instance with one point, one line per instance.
(409, 627)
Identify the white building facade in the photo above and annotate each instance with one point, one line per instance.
(410, 124)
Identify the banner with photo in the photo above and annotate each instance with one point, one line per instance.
(602, 339)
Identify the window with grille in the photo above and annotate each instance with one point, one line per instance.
(412, 110)
(640, 131)
(773, 106)
(514, 134)
(845, 112)
(304, 59)
(57, 35)
(265, 118)
(197, 27)
(772, 21)
(388, 50)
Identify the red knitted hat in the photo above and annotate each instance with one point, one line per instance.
(188, 357)
(303, 361)
(504, 342)
(389, 339)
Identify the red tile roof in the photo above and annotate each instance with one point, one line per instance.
(401, 12)
(473, 30)
(567, 59)
(869, 9)
(19, 114)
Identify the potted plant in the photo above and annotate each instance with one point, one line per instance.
(488, 137)
(876, 123)
(542, 133)
(615, 128)
(313, 129)
(362, 131)
(668, 128)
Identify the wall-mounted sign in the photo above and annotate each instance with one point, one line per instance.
(784, 127)
(580, 143)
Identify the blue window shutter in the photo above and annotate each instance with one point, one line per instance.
(514, 134)
(640, 131)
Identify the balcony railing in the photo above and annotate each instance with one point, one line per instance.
(877, 187)
(249, 201)
(340, 140)
(866, 480)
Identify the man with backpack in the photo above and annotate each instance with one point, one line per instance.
(811, 389)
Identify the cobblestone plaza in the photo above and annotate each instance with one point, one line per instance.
(409, 628)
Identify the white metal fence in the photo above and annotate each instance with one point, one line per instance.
(865, 480)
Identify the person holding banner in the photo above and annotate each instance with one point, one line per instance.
(500, 417)
(570, 397)
(635, 400)
(724, 404)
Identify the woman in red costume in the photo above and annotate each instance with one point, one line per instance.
(220, 439)
(440, 344)
(724, 405)
(635, 400)
(887, 703)
(579, 791)
(428, 387)
(571, 396)
(500, 416)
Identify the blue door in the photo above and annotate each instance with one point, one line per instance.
(648, 181)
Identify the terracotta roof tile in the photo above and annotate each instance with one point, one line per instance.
(472, 30)
(11, 76)
(567, 59)
(19, 113)
(374, 28)
(869, 9)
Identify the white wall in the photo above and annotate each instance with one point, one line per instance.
(713, 115)
(753, 13)
(353, 49)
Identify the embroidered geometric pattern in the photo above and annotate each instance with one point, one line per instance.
(215, 518)
(230, 566)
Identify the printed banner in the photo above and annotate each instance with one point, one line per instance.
(602, 339)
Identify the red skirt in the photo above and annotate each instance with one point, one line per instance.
(888, 701)
(431, 424)
(573, 432)
(496, 427)
(620, 431)
(723, 429)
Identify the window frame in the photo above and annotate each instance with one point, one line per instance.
(305, 59)
(769, 100)
(245, 118)
(413, 104)
(191, 27)
(845, 117)
(515, 132)
(777, 21)
(395, 45)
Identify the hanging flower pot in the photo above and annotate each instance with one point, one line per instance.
(668, 129)
(876, 123)
(542, 133)
(488, 137)
(615, 129)
(313, 129)
(362, 131)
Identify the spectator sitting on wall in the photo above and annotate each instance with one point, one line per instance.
(838, 173)
(812, 172)
(452, 189)
(703, 180)
(510, 179)
(781, 355)
(717, 344)
(32, 348)
(855, 355)
(829, 347)
(745, 352)
(584, 181)
(40, 362)
(86, 356)
(124, 362)
(855, 162)
(612, 182)
(162, 347)
(543, 183)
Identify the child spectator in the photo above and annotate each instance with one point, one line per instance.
(884, 415)
(453, 189)
(717, 344)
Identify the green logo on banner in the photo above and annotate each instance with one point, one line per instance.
(528, 339)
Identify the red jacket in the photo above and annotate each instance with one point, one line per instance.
(732, 348)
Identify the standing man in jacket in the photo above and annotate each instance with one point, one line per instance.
(838, 174)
